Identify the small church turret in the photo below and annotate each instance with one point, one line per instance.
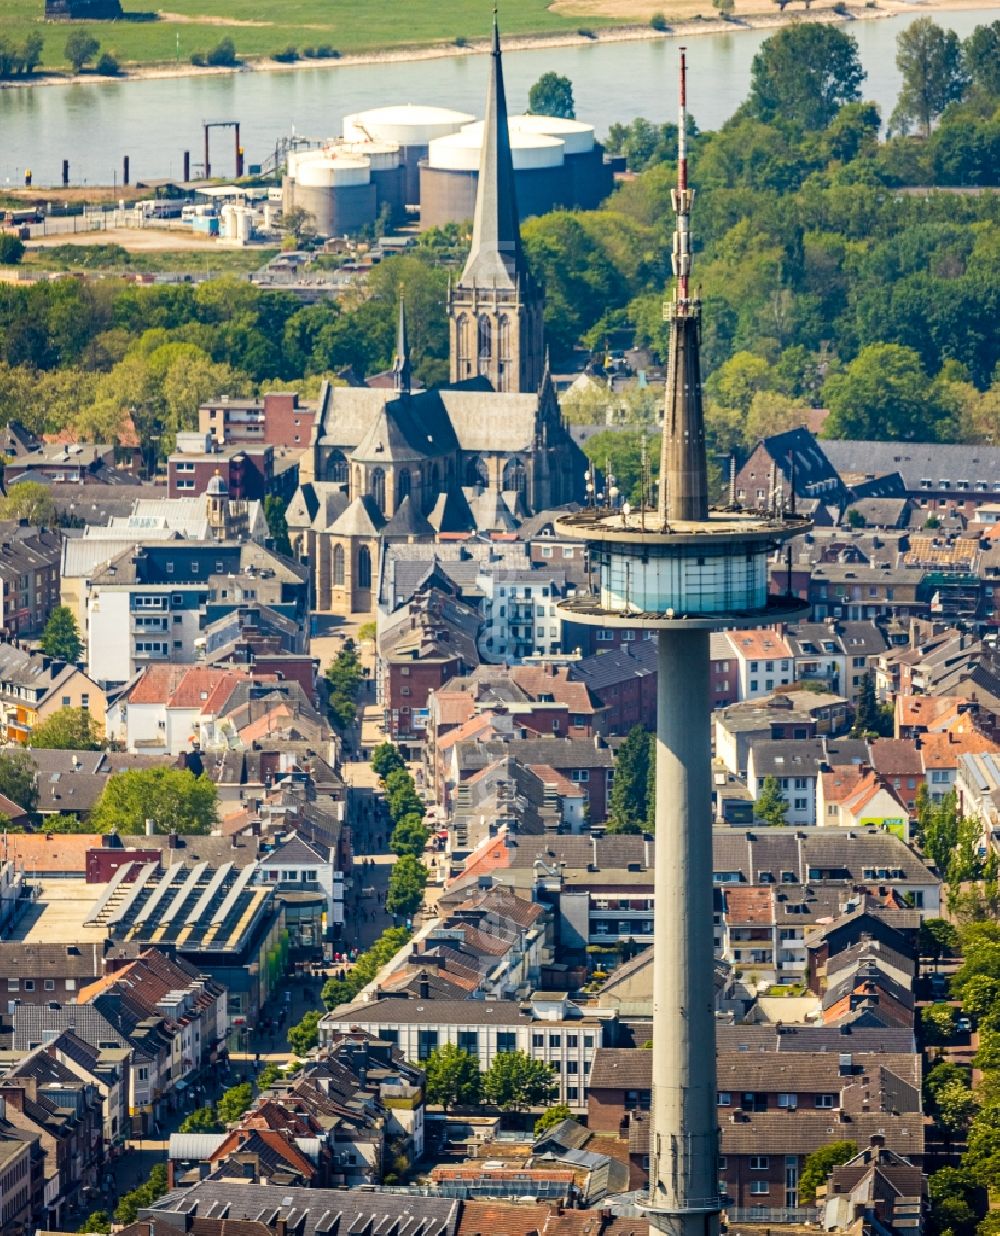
(495, 308)
(401, 372)
(217, 507)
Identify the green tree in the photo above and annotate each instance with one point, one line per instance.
(96, 1221)
(629, 804)
(11, 251)
(551, 1117)
(174, 798)
(19, 779)
(343, 677)
(804, 74)
(409, 836)
(453, 1077)
(81, 46)
(223, 54)
(129, 1205)
(930, 60)
(386, 759)
(956, 1105)
(234, 1102)
(770, 804)
(885, 393)
(981, 999)
(552, 95)
(69, 729)
(943, 1074)
(982, 1158)
(982, 58)
(818, 1166)
(107, 65)
(61, 637)
(201, 1120)
(867, 716)
(406, 886)
(938, 938)
(342, 991)
(305, 1036)
(515, 1080)
(30, 501)
(952, 1194)
(938, 1022)
(277, 525)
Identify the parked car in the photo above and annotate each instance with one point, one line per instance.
(963, 1026)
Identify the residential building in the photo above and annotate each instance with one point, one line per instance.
(276, 418)
(623, 683)
(38, 973)
(45, 1099)
(882, 1189)
(247, 472)
(520, 616)
(935, 476)
(29, 578)
(554, 1031)
(22, 1178)
(34, 687)
(151, 603)
(795, 462)
(796, 765)
(300, 864)
(763, 661)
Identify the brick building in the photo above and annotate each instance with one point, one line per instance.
(248, 471)
(29, 578)
(279, 418)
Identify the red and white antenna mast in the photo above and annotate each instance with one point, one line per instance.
(682, 197)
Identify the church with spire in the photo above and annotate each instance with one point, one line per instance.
(474, 456)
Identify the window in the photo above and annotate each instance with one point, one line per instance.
(538, 1040)
(790, 1101)
(725, 1099)
(759, 1162)
(506, 1040)
(29, 984)
(468, 1040)
(588, 1041)
(49, 984)
(143, 1072)
(572, 1040)
(572, 1067)
(572, 1092)
(338, 565)
(13, 984)
(555, 1040)
(759, 1186)
(826, 1100)
(427, 1041)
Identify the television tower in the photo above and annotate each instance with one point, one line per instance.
(682, 569)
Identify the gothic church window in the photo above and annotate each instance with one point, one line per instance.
(402, 485)
(376, 487)
(338, 565)
(364, 572)
(485, 342)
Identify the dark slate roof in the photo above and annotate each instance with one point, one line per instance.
(606, 669)
(451, 512)
(918, 461)
(408, 521)
(310, 1212)
(20, 960)
(812, 466)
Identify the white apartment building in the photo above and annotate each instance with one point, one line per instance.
(485, 1029)
(519, 609)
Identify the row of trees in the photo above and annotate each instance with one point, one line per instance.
(337, 991)
(216, 1116)
(408, 879)
(514, 1080)
(958, 1194)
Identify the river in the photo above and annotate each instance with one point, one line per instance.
(154, 120)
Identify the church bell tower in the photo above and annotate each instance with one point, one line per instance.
(495, 309)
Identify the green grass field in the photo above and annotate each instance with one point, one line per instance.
(275, 24)
(215, 260)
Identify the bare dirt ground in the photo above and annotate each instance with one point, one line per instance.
(136, 240)
(185, 19)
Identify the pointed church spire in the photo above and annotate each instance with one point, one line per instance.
(401, 365)
(683, 469)
(495, 259)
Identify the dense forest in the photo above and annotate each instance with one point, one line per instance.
(836, 268)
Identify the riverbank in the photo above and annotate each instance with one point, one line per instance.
(750, 15)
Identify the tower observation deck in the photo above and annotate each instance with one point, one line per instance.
(683, 569)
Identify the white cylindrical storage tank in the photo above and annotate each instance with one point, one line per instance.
(576, 137)
(243, 219)
(381, 156)
(333, 171)
(460, 152)
(228, 226)
(407, 124)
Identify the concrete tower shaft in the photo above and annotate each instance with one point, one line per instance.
(683, 1176)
